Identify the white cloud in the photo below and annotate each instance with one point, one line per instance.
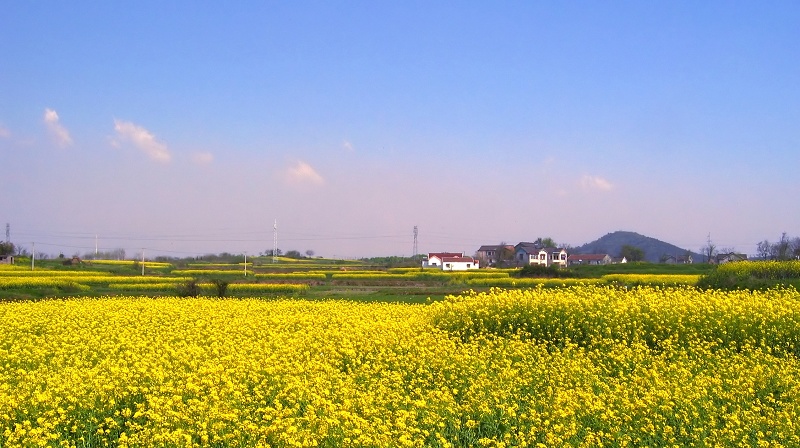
(348, 146)
(595, 183)
(58, 132)
(142, 139)
(203, 158)
(303, 173)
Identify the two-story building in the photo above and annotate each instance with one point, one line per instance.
(525, 253)
(550, 256)
(489, 255)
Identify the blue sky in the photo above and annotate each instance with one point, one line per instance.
(190, 127)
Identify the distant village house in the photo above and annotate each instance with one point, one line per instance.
(6, 259)
(730, 257)
(450, 261)
(683, 259)
(589, 259)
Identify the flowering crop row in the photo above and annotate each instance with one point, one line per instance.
(293, 276)
(513, 282)
(166, 288)
(50, 273)
(210, 289)
(268, 288)
(136, 372)
(11, 267)
(624, 279)
(148, 264)
(653, 279)
(238, 265)
(64, 283)
(774, 270)
(190, 272)
(82, 281)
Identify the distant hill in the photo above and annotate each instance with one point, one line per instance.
(612, 244)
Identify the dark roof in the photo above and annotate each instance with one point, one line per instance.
(445, 254)
(487, 247)
(528, 247)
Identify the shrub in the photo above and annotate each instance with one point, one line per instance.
(221, 286)
(189, 289)
(536, 270)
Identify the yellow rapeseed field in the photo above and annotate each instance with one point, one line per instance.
(579, 366)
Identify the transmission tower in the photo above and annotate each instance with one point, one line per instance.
(275, 242)
(8, 232)
(415, 251)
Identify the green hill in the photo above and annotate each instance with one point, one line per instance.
(653, 249)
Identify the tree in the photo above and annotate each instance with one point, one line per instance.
(310, 253)
(294, 254)
(781, 249)
(7, 248)
(764, 249)
(709, 250)
(795, 247)
(545, 242)
(268, 253)
(785, 249)
(631, 253)
(505, 253)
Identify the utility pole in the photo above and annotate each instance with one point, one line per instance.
(33, 254)
(95, 245)
(245, 263)
(143, 261)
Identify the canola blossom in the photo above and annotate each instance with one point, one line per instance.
(580, 366)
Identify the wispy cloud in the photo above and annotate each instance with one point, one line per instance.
(142, 139)
(57, 131)
(595, 183)
(202, 158)
(4, 132)
(302, 173)
(348, 146)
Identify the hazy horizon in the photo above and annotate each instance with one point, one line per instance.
(189, 128)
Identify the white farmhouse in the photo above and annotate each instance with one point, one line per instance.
(435, 259)
(549, 256)
(450, 261)
(459, 263)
